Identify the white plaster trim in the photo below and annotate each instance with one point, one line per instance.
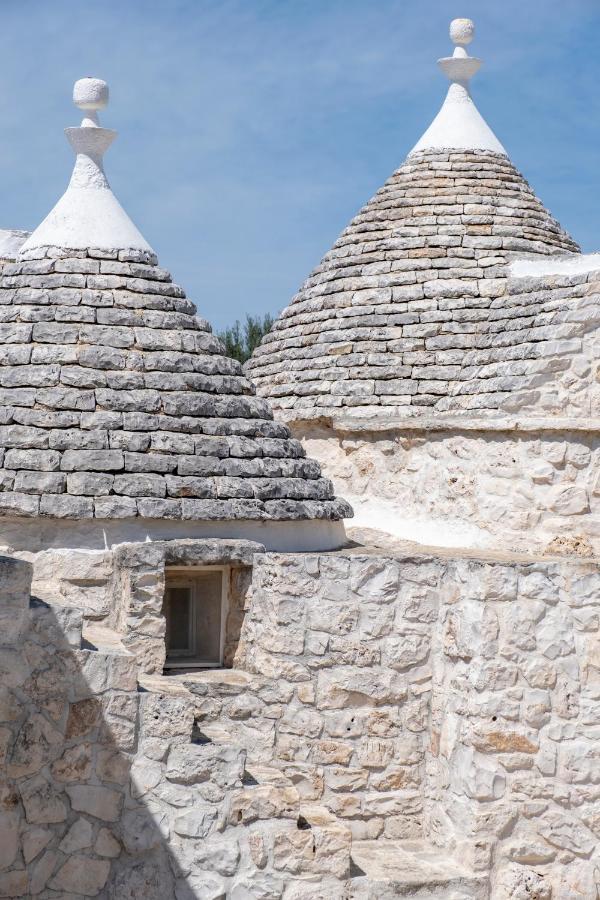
(574, 264)
(88, 215)
(391, 518)
(88, 218)
(35, 535)
(459, 126)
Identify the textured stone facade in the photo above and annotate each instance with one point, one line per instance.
(395, 724)
(471, 484)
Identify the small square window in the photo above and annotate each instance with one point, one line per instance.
(195, 610)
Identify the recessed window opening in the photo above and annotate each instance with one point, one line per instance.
(195, 610)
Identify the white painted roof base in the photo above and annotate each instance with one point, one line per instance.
(88, 215)
(459, 125)
(574, 264)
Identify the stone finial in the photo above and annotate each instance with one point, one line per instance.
(88, 215)
(460, 66)
(459, 125)
(90, 94)
(462, 31)
(90, 142)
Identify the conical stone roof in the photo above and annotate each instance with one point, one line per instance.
(116, 399)
(409, 304)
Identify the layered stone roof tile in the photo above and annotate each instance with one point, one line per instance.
(116, 400)
(415, 285)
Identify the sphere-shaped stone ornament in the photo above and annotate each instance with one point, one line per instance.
(90, 93)
(462, 31)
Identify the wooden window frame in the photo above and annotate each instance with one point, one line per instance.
(182, 576)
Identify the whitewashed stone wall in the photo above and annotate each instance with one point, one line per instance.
(507, 485)
(432, 700)
(500, 664)
(514, 767)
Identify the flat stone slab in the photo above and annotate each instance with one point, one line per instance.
(415, 869)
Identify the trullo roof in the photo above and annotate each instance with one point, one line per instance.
(407, 312)
(116, 399)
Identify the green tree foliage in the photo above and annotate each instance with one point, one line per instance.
(241, 340)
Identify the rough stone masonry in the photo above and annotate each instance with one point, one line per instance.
(388, 718)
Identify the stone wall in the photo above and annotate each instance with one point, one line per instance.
(68, 738)
(122, 589)
(107, 787)
(513, 766)
(509, 485)
(380, 703)
(348, 640)
(492, 715)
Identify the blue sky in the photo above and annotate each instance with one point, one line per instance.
(251, 131)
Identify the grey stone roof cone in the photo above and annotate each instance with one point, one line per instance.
(388, 322)
(116, 400)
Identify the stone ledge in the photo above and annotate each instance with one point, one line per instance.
(397, 868)
(347, 424)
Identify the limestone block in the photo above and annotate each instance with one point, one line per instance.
(553, 639)
(36, 742)
(375, 752)
(569, 501)
(9, 706)
(101, 802)
(348, 686)
(141, 830)
(42, 803)
(264, 802)
(83, 717)
(75, 764)
(15, 577)
(301, 721)
(81, 875)
(477, 776)
(197, 823)
(579, 762)
(78, 837)
(293, 850)
(14, 884)
(9, 838)
(540, 673)
(151, 880)
(522, 884)
(106, 844)
(219, 854)
(376, 580)
(585, 590)
(325, 752)
(119, 725)
(306, 779)
(33, 842)
(406, 650)
(145, 775)
(258, 849)
(539, 586)
(563, 830)
(392, 803)
(164, 716)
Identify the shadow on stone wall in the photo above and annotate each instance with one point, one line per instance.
(72, 821)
